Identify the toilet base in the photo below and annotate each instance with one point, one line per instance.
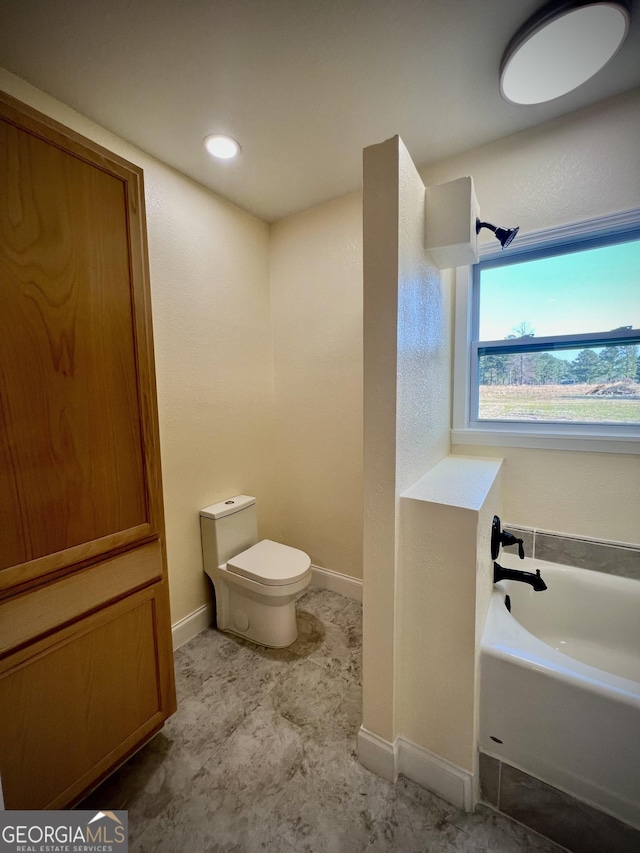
(267, 620)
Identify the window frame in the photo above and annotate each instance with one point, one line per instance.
(613, 438)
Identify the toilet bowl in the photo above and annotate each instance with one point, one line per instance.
(256, 582)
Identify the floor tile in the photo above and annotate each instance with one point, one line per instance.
(495, 833)
(349, 620)
(323, 603)
(336, 651)
(261, 756)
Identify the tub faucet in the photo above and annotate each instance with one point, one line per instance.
(507, 539)
(534, 580)
(503, 537)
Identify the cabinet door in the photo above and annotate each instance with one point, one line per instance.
(79, 473)
(86, 670)
(76, 703)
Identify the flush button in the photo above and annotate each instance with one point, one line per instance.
(226, 503)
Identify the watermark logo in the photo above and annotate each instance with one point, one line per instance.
(64, 832)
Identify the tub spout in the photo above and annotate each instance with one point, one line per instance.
(500, 574)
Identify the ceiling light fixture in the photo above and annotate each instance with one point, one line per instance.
(223, 147)
(560, 47)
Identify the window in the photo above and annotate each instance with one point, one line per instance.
(552, 340)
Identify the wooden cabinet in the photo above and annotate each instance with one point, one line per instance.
(86, 670)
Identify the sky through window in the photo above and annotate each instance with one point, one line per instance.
(593, 290)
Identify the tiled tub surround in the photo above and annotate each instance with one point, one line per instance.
(261, 756)
(573, 721)
(554, 814)
(612, 558)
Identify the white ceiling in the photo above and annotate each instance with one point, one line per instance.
(303, 85)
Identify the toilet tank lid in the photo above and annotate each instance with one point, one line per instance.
(227, 507)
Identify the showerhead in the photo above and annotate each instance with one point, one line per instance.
(505, 235)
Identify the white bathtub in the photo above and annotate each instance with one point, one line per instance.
(560, 683)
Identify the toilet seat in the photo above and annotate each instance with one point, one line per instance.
(270, 563)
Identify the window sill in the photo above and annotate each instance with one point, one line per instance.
(550, 439)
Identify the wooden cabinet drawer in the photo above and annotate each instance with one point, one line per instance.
(39, 611)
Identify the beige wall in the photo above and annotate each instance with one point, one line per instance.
(215, 352)
(211, 318)
(316, 303)
(596, 495)
(407, 366)
(583, 165)
(210, 287)
(447, 580)
(577, 167)
(424, 340)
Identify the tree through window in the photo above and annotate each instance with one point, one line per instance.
(557, 335)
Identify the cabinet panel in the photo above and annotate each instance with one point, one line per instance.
(70, 421)
(75, 703)
(59, 563)
(28, 616)
(86, 669)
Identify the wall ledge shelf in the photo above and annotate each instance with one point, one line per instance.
(457, 481)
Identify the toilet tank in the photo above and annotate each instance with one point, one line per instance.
(228, 528)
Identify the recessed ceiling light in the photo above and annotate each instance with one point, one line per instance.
(223, 147)
(560, 47)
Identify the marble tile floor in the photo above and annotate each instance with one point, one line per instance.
(261, 756)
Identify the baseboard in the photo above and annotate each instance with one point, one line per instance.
(344, 584)
(428, 770)
(189, 627)
(186, 629)
(436, 774)
(377, 755)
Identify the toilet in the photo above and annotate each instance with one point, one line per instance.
(256, 583)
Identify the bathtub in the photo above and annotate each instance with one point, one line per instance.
(560, 683)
